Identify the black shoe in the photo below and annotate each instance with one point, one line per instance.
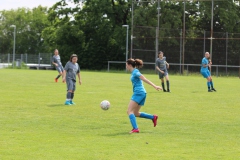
(210, 90)
(164, 90)
(168, 91)
(213, 89)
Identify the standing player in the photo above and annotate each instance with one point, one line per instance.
(206, 73)
(161, 66)
(139, 94)
(56, 61)
(69, 75)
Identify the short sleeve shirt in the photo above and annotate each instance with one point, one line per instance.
(56, 59)
(204, 62)
(137, 84)
(161, 63)
(71, 70)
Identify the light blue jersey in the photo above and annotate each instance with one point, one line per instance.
(138, 87)
(204, 62)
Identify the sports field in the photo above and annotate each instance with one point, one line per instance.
(193, 124)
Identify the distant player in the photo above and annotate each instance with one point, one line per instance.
(69, 75)
(206, 73)
(56, 61)
(139, 94)
(162, 66)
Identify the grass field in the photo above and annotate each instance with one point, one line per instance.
(193, 124)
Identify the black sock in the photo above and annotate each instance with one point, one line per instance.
(69, 95)
(167, 85)
(58, 76)
(163, 87)
(72, 95)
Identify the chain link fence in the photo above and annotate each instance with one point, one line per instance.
(36, 61)
(189, 49)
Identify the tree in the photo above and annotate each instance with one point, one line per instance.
(29, 25)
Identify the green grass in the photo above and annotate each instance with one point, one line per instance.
(193, 124)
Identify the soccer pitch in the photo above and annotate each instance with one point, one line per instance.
(192, 124)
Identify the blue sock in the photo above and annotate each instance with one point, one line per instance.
(211, 83)
(146, 115)
(133, 121)
(208, 84)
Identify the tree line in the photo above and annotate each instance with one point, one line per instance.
(93, 28)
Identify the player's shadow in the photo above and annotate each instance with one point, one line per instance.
(56, 105)
(116, 134)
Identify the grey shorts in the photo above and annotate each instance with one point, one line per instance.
(71, 85)
(59, 69)
(161, 75)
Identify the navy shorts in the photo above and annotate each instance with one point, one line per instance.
(139, 98)
(161, 75)
(71, 85)
(59, 68)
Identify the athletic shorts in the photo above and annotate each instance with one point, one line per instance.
(161, 75)
(139, 98)
(71, 85)
(59, 68)
(205, 74)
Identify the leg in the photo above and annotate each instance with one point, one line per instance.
(133, 108)
(167, 80)
(163, 86)
(208, 84)
(211, 84)
(69, 92)
(72, 94)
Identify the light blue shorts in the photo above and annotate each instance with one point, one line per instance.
(205, 74)
(139, 98)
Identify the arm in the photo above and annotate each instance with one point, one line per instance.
(159, 69)
(167, 65)
(64, 75)
(79, 78)
(53, 60)
(150, 83)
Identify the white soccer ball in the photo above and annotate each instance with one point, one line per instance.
(105, 105)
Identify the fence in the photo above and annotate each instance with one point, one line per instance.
(31, 60)
(189, 68)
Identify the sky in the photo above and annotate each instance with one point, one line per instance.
(14, 4)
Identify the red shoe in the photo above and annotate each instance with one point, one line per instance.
(155, 117)
(134, 131)
(56, 80)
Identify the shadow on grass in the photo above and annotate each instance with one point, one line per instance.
(126, 133)
(56, 105)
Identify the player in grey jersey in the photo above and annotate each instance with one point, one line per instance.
(162, 66)
(56, 61)
(69, 75)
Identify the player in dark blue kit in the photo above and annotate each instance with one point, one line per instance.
(206, 73)
(139, 94)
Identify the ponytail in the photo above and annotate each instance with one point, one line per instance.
(138, 63)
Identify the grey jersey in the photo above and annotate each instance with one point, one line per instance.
(71, 70)
(161, 63)
(57, 59)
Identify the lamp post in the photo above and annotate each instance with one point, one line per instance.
(14, 37)
(126, 41)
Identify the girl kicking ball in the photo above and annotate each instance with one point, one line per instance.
(139, 94)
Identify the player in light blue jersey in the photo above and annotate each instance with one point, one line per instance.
(56, 61)
(206, 73)
(69, 75)
(139, 94)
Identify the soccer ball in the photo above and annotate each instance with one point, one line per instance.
(105, 105)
